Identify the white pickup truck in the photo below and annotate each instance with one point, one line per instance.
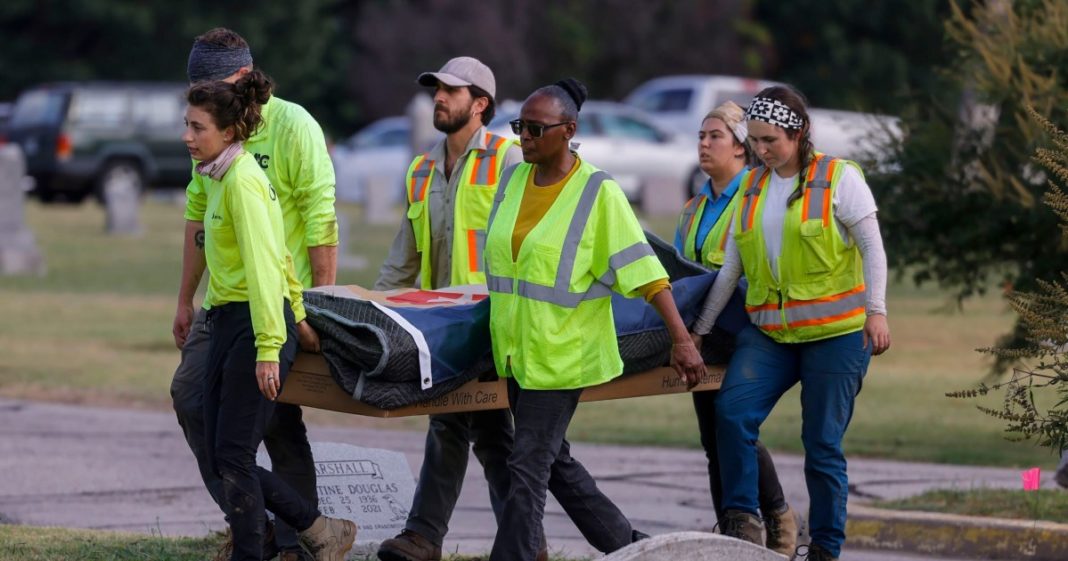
(679, 103)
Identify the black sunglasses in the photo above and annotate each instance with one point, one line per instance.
(536, 129)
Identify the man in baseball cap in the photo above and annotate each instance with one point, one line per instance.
(450, 191)
(462, 71)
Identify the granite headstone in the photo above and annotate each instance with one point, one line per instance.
(18, 249)
(370, 486)
(122, 199)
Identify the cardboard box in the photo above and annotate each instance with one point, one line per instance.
(309, 383)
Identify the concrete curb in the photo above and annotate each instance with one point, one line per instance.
(954, 535)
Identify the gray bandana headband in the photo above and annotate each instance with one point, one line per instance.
(208, 61)
(775, 112)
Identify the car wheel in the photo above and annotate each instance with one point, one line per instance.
(119, 175)
(695, 183)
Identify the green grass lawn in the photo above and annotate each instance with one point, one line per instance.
(26, 543)
(97, 328)
(1043, 504)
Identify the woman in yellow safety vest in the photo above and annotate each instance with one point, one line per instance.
(701, 236)
(561, 239)
(806, 237)
(253, 302)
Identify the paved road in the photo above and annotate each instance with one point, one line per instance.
(90, 467)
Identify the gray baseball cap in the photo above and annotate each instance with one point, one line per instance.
(462, 71)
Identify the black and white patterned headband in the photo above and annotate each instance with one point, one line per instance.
(774, 112)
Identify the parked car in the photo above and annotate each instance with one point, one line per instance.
(627, 143)
(78, 136)
(379, 151)
(680, 102)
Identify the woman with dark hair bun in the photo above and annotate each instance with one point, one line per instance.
(806, 237)
(254, 303)
(562, 238)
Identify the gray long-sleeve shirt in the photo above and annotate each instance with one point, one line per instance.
(402, 266)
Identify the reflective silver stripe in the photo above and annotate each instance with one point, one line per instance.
(579, 220)
(819, 188)
(480, 247)
(751, 194)
(765, 317)
(498, 284)
(506, 177)
(560, 295)
(629, 255)
(815, 311)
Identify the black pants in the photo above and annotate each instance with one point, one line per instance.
(286, 438)
(770, 490)
(236, 415)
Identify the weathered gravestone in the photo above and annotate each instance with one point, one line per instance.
(379, 200)
(420, 113)
(122, 199)
(18, 249)
(347, 261)
(370, 486)
(693, 546)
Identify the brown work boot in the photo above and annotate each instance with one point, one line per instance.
(782, 530)
(543, 554)
(743, 526)
(410, 546)
(329, 539)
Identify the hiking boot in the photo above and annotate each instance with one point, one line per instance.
(410, 546)
(813, 552)
(782, 530)
(226, 549)
(543, 554)
(329, 539)
(743, 526)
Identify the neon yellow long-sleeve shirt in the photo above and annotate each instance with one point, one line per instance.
(289, 147)
(244, 245)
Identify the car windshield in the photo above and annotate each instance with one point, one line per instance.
(104, 107)
(622, 126)
(664, 101)
(39, 107)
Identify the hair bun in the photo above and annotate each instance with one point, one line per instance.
(254, 87)
(575, 89)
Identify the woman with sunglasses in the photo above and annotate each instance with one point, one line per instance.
(561, 239)
(701, 236)
(253, 302)
(806, 237)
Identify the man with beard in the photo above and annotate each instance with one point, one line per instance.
(450, 192)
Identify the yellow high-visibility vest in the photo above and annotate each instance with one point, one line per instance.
(820, 289)
(551, 317)
(479, 178)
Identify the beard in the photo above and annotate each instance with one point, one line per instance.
(452, 122)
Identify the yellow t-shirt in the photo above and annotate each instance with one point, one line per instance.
(536, 202)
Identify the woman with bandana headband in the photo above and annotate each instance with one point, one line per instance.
(806, 237)
(701, 236)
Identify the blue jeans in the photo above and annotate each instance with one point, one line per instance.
(831, 372)
(541, 461)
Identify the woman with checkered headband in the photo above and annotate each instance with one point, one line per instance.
(806, 237)
(701, 235)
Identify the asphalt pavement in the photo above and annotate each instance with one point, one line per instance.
(112, 469)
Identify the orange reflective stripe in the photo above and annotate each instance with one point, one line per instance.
(472, 250)
(762, 307)
(825, 299)
(474, 171)
(827, 196)
(830, 319)
(411, 186)
(752, 199)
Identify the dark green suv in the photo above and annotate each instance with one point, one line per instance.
(78, 136)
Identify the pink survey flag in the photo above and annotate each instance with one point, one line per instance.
(1031, 479)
